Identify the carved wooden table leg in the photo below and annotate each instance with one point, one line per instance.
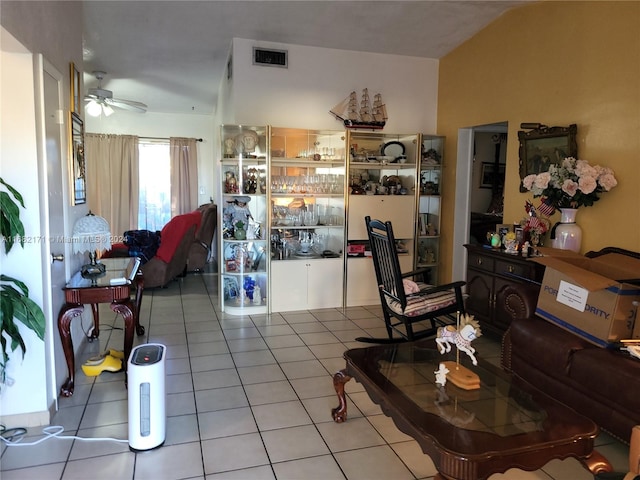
(139, 289)
(67, 313)
(126, 309)
(339, 413)
(95, 333)
(597, 463)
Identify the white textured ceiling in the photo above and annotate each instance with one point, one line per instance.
(171, 55)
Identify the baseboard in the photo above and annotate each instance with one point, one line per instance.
(28, 420)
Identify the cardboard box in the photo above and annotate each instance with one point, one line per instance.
(589, 296)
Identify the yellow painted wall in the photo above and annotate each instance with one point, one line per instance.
(556, 63)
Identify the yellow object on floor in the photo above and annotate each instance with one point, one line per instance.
(103, 363)
(116, 353)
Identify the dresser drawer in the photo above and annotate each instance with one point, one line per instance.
(521, 269)
(480, 262)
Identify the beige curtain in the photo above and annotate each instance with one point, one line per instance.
(113, 179)
(184, 175)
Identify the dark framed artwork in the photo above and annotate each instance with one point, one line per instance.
(545, 146)
(489, 176)
(76, 160)
(75, 100)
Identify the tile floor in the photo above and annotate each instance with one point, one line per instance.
(248, 398)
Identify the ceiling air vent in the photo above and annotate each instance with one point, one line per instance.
(270, 58)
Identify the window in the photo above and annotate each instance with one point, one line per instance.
(154, 210)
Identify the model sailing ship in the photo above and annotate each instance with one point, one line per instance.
(366, 115)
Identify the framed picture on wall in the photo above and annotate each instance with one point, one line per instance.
(75, 100)
(545, 146)
(490, 176)
(77, 160)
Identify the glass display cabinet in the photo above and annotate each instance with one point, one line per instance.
(244, 248)
(431, 158)
(382, 183)
(307, 211)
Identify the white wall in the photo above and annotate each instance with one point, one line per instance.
(164, 126)
(19, 167)
(52, 29)
(319, 78)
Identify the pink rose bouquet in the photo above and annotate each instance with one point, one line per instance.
(572, 184)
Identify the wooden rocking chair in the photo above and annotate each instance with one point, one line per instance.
(436, 304)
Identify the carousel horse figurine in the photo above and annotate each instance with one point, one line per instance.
(467, 331)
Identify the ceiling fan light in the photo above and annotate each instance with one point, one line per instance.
(107, 110)
(93, 108)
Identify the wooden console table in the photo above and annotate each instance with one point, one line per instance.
(469, 434)
(81, 291)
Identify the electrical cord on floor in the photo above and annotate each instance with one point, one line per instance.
(13, 436)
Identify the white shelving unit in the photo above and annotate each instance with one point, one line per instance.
(382, 184)
(307, 217)
(244, 247)
(427, 253)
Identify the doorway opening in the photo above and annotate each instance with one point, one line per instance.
(479, 199)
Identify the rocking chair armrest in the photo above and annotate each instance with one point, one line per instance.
(413, 273)
(439, 288)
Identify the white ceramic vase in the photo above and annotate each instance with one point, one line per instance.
(568, 232)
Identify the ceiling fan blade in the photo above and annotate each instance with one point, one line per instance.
(126, 104)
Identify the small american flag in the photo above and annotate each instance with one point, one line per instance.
(546, 208)
(534, 222)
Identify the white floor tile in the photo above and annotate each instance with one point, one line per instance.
(264, 392)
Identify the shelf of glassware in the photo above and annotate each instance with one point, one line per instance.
(244, 245)
(307, 234)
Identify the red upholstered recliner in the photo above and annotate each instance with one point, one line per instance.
(200, 250)
(170, 260)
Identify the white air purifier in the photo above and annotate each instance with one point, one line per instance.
(146, 379)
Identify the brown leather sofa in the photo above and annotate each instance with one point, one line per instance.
(602, 384)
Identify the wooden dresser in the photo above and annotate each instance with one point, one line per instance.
(489, 271)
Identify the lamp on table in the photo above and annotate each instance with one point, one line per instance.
(91, 234)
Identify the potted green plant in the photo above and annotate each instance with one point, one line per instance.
(14, 294)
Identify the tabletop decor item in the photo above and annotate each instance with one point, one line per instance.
(535, 226)
(567, 187)
(466, 330)
(91, 234)
(571, 184)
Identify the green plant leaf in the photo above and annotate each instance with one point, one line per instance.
(30, 314)
(14, 192)
(11, 329)
(11, 225)
(21, 285)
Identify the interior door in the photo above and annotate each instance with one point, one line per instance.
(52, 143)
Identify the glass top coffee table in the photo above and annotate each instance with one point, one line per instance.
(469, 434)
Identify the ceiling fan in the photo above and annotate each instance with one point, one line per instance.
(100, 100)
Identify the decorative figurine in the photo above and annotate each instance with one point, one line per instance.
(467, 331)
(230, 182)
(229, 147)
(251, 182)
(235, 211)
(246, 142)
(441, 375)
